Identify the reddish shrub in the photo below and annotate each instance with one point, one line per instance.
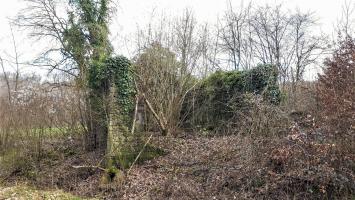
(336, 89)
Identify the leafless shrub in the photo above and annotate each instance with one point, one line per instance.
(167, 58)
(302, 99)
(37, 114)
(306, 164)
(259, 118)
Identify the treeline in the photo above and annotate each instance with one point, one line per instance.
(243, 37)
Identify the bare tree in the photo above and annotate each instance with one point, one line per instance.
(17, 69)
(232, 34)
(11, 82)
(6, 77)
(305, 50)
(209, 48)
(45, 21)
(346, 23)
(187, 45)
(270, 25)
(271, 35)
(307, 47)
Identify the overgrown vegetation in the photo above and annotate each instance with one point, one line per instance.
(174, 121)
(223, 95)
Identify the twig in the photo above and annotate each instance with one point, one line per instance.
(135, 115)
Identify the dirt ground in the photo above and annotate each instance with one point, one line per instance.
(192, 165)
(199, 167)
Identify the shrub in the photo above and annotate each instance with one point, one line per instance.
(307, 164)
(37, 115)
(336, 89)
(262, 119)
(301, 99)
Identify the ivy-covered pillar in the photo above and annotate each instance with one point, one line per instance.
(121, 106)
(112, 100)
(117, 131)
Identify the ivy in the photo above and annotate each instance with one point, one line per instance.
(119, 70)
(221, 95)
(116, 71)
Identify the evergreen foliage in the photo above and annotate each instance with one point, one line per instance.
(116, 71)
(119, 70)
(221, 95)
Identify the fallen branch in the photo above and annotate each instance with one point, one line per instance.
(135, 160)
(95, 167)
(161, 121)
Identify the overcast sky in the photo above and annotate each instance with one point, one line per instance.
(137, 12)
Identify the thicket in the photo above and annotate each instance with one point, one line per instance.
(222, 95)
(163, 83)
(316, 159)
(38, 116)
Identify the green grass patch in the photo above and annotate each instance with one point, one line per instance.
(57, 131)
